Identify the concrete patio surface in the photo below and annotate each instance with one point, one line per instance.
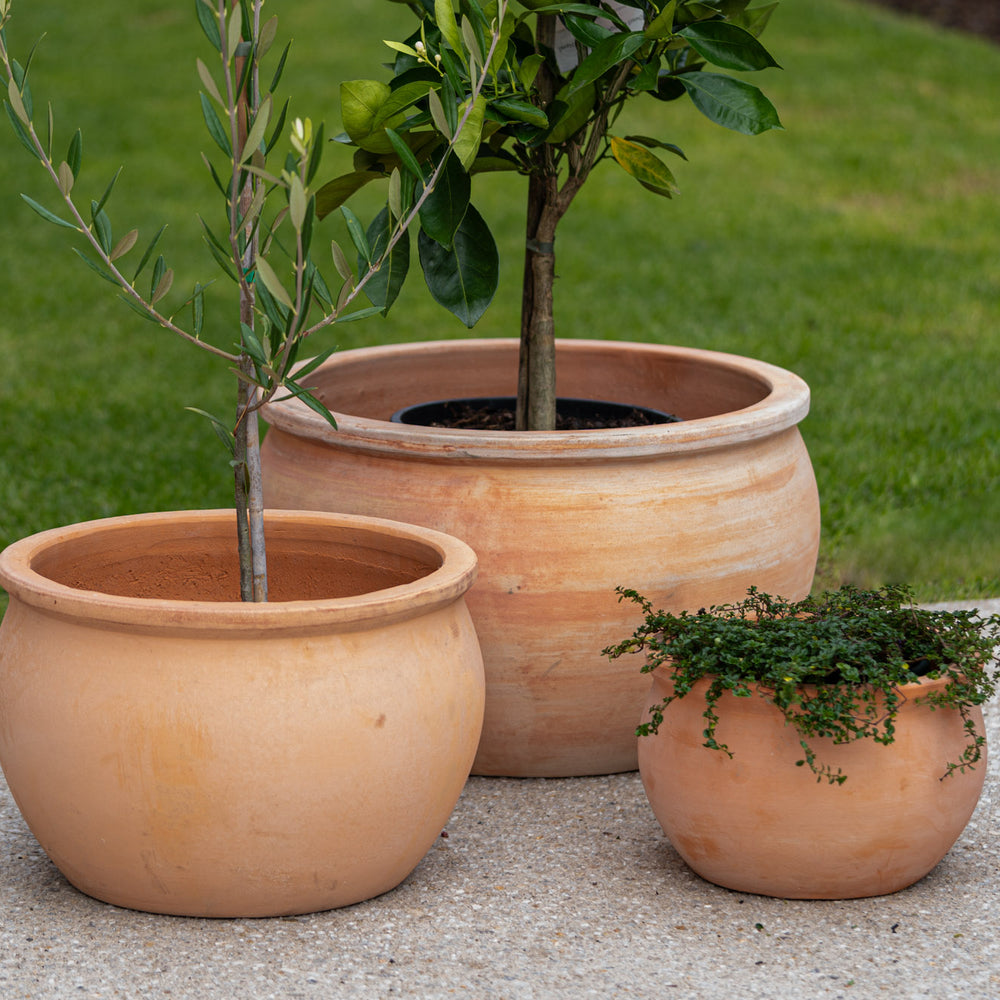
(541, 888)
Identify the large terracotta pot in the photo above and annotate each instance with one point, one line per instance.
(757, 823)
(174, 750)
(689, 513)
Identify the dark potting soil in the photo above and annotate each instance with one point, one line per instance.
(571, 415)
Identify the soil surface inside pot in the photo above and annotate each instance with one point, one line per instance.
(499, 414)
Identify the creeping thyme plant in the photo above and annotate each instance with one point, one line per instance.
(833, 665)
(264, 238)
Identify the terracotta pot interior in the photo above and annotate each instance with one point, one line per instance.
(206, 567)
(374, 387)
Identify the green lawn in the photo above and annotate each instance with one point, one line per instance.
(859, 248)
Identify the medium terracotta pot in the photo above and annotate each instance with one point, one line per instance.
(691, 513)
(177, 751)
(757, 823)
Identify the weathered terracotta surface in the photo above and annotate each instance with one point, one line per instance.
(690, 514)
(174, 750)
(757, 823)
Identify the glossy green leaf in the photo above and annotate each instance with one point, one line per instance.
(575, 111)
(515, 109)
(646, 168)
(360, 104)
(463, 278)
(586, 30)
(662, 26)
(445, 207)
(383, 287)
(645, 140)
(334, 193)
(731, 103)
(444, 17)
(604, 57)
(466, 146)
(727, 45)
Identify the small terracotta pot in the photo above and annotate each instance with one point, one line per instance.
(757, 823)
(177, 751)
(690, 513)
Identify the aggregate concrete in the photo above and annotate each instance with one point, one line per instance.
(538, 888)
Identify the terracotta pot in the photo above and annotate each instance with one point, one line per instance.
(174, 750)
(757, 823)
(690, 513)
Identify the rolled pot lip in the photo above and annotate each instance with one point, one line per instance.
(784, 405)
(439, 588)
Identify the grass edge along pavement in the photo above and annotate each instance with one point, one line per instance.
(856, 248)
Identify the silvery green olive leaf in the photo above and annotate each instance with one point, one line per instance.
(268, 33)
(473, 40)
(384, 285)
(728, 46)
(163, 286)
(732, 103)
(209, 22)
(198, 309)
(74, 155)
(224, 433)
(279, 127)
(214, 126)
(256, 134)
(102, 230)
(463, 278)
(233, 32)
(438, 115)
(646, 168)
(316, 154)
(365, 313)
(405, 154)
(17, 102)
(308, 367)
(250, 342)
(21, 132)
(66, 178)
(125, 244)
(159, 269)
(276, 79)
(606, 56)
(144, 260)
(96, 268)
(445, 207)
(273, 283)
(357, 234)
(208, 81)
(340, 261)
(98, 206)
(311, 401)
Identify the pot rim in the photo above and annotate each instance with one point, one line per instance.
(784, 404)
(442, 586)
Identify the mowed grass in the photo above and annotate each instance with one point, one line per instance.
(859, 247)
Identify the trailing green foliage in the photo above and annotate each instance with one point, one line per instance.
(833, 664)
